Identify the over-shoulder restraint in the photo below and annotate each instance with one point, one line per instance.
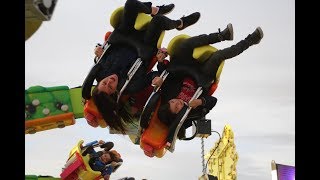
(88, 82)
(145, 52)
(200, 54)
(153, 139)
(185, 70)
(148, 110)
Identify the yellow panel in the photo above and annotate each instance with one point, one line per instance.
(174, 41)
(142, 21)
(202, 53)
(160, 39)
(116, 16)
(219, 71)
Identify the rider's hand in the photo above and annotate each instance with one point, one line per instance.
(195, 103)
(98, 51)
(113, 163)
(157, 81)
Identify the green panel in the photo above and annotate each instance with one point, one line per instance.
(39, 99)
(31, 177)
(34, 177)
(57, 88)
(47, 178)
(76, 100)
(36, 89)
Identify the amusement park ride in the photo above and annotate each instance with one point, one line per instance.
(56, 107)
(37, 11)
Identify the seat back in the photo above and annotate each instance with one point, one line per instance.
(153, 138)
(200, 53)
(142, 22)
(77, 166)
(91, 112)
(92, 115)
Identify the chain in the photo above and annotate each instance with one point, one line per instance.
(202, 153)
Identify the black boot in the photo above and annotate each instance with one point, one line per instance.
(189, 20)
(165, 9)
(107, 146)
(255, 37)
(87, 150)
(227, 33)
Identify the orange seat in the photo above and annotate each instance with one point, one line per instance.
(153, 139)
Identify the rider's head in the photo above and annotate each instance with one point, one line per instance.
(108, 84)
(175, 105)
(168, 111)
(106, 157)
(162, 54)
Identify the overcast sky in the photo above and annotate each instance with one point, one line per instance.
(256, 94)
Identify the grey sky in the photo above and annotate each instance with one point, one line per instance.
(256, 94)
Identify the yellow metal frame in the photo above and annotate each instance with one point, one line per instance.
(223, 161)
(88, 173)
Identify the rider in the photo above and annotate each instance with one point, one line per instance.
(89, 147)
(105, 161)
(113, 69)
(178, 89)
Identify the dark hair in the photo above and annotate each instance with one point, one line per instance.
(165, 115)
(116, 115)
(112, 156)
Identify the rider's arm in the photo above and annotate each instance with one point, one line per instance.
(98, 52)
(208, 101)
(144, 81)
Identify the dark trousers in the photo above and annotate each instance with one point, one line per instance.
(158, 23)
(131, 10)
(210, 67)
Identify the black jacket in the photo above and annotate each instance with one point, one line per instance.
(171, 88)
(118, 59)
